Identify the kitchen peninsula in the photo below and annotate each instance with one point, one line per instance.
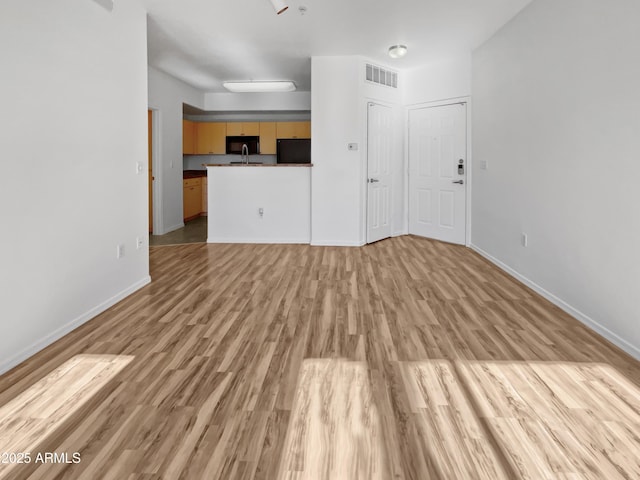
(265, 203)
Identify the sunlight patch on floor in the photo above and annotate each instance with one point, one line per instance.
(559, 420)
(473, 420)
(27, 419)
(335, 430)
(450, 435)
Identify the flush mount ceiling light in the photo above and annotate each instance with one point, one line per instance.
(259, 87)
(397, 51)
(279, 6)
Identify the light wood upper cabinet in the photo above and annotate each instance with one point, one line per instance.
(237, 129)
(211, 138)
(304, 129)
(293, 130)
(188, 137)
(268, 138)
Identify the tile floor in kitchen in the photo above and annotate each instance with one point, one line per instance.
(194, 231)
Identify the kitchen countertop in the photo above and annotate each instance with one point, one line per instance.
(258, 165)
(186, 174)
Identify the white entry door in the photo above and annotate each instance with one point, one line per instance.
(438, 172)
(379, 151)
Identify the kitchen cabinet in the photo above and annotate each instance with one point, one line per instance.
(238, 129)
(293, 130)
(204, 207)
(211, 138)
(188, 137)
(268, 138)
(192, 198)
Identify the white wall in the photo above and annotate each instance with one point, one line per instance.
(237, 193)
(166, 95)
(339, 97)
(336, 177)
(72, 127)
(556, 116)
(257, 101)
(438, 81)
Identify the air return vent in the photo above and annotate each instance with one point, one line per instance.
(381, 76)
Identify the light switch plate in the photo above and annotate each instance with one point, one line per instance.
(352, 146)
(139, 167)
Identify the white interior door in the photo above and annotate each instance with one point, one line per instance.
(379, 150)
(438, 172)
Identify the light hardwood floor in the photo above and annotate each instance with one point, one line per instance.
(405, 359)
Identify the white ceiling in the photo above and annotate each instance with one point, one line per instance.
(206, 42)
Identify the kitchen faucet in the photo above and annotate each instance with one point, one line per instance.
(245, 148)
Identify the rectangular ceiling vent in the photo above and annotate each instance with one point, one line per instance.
(381, 76)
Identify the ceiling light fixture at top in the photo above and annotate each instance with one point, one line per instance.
(259, 87)
(279, 6)
(397, 51)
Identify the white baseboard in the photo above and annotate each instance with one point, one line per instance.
(21, 356)
(574, 312)
(170, 229)
(304, 241)
(336, 243)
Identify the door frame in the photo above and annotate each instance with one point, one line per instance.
(469, 161)
(156, 171)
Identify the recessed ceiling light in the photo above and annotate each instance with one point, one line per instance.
(257, 87)
(279, 6)
(397, 51)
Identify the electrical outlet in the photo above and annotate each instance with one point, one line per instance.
(120, 251)
(261, 212)
(139, 243)
(484, 165)
(525, 240)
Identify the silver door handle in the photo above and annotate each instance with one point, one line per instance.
(461, 182)
(373, 180)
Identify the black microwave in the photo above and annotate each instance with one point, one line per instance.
(234, 145)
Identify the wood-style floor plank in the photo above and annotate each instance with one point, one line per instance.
(449, 430)
(559, 420)
(27, 419)
(222, 335)
(334, 430)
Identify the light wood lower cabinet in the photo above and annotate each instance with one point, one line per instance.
(192, 198)
(204, 207)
